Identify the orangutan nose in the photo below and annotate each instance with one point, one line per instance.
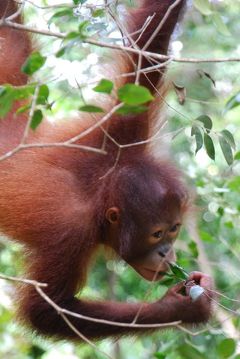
(164, 249)
(161, 254)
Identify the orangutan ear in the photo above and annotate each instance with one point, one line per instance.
(113, 215)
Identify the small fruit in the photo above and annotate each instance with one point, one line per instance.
(195, 292)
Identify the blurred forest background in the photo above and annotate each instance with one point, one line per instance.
(211, 90)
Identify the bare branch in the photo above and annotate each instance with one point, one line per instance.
(31, 113)
(4, 22)
(23, 280)
(96, 125)
(22, 147)
(17, 13)
(162, 22)
(83, 337)
(38, 286)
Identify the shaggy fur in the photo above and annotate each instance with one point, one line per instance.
(54, 201)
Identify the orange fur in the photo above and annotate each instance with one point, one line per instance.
(53, 200)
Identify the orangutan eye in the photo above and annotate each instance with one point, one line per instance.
(175, 228)
(158, 234)
(156, 237)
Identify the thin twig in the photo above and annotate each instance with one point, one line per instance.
(83, 337)
(38, 287)
(147, 70)
(96, 125)
(4, 22)
(67, 321)
(204, 265)
(103, 321)
(150, 287)
(23, 280)
(224, 296)
(114, 165)
(162, 22)
(235, 312)
(31, 113)
(230, 248)
(17, 13)
(53, 6)
(184, 329)
(22, 147)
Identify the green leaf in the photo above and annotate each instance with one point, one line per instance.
(206, 120)
(61, 13)
(233, 102)
(76, 2)
(189, 352)
(61, 52)
(178, 271)
(23, 109)
(7, 97)
(9, 94)
(229, 138)
(104, 86)
(220, 25)
(90, 108)
(193, 249)
(98, 13)
(133, 95)
(226, 150)
(209, 146)
(36, 119)
(226, 348)
(6, 103)
(83, 29)
(3, 90)
(237, 156)
(220, 211)
(35, 352)
(198, 137)
(128, 110)
(234, 184)
(43, 95)
(23, 92)
(229, 224)
(72, 35)
(203, 6)
(168, 281)
(160, 356)
(34, 62)
(206, 237)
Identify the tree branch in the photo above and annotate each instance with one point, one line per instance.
(4, 22)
